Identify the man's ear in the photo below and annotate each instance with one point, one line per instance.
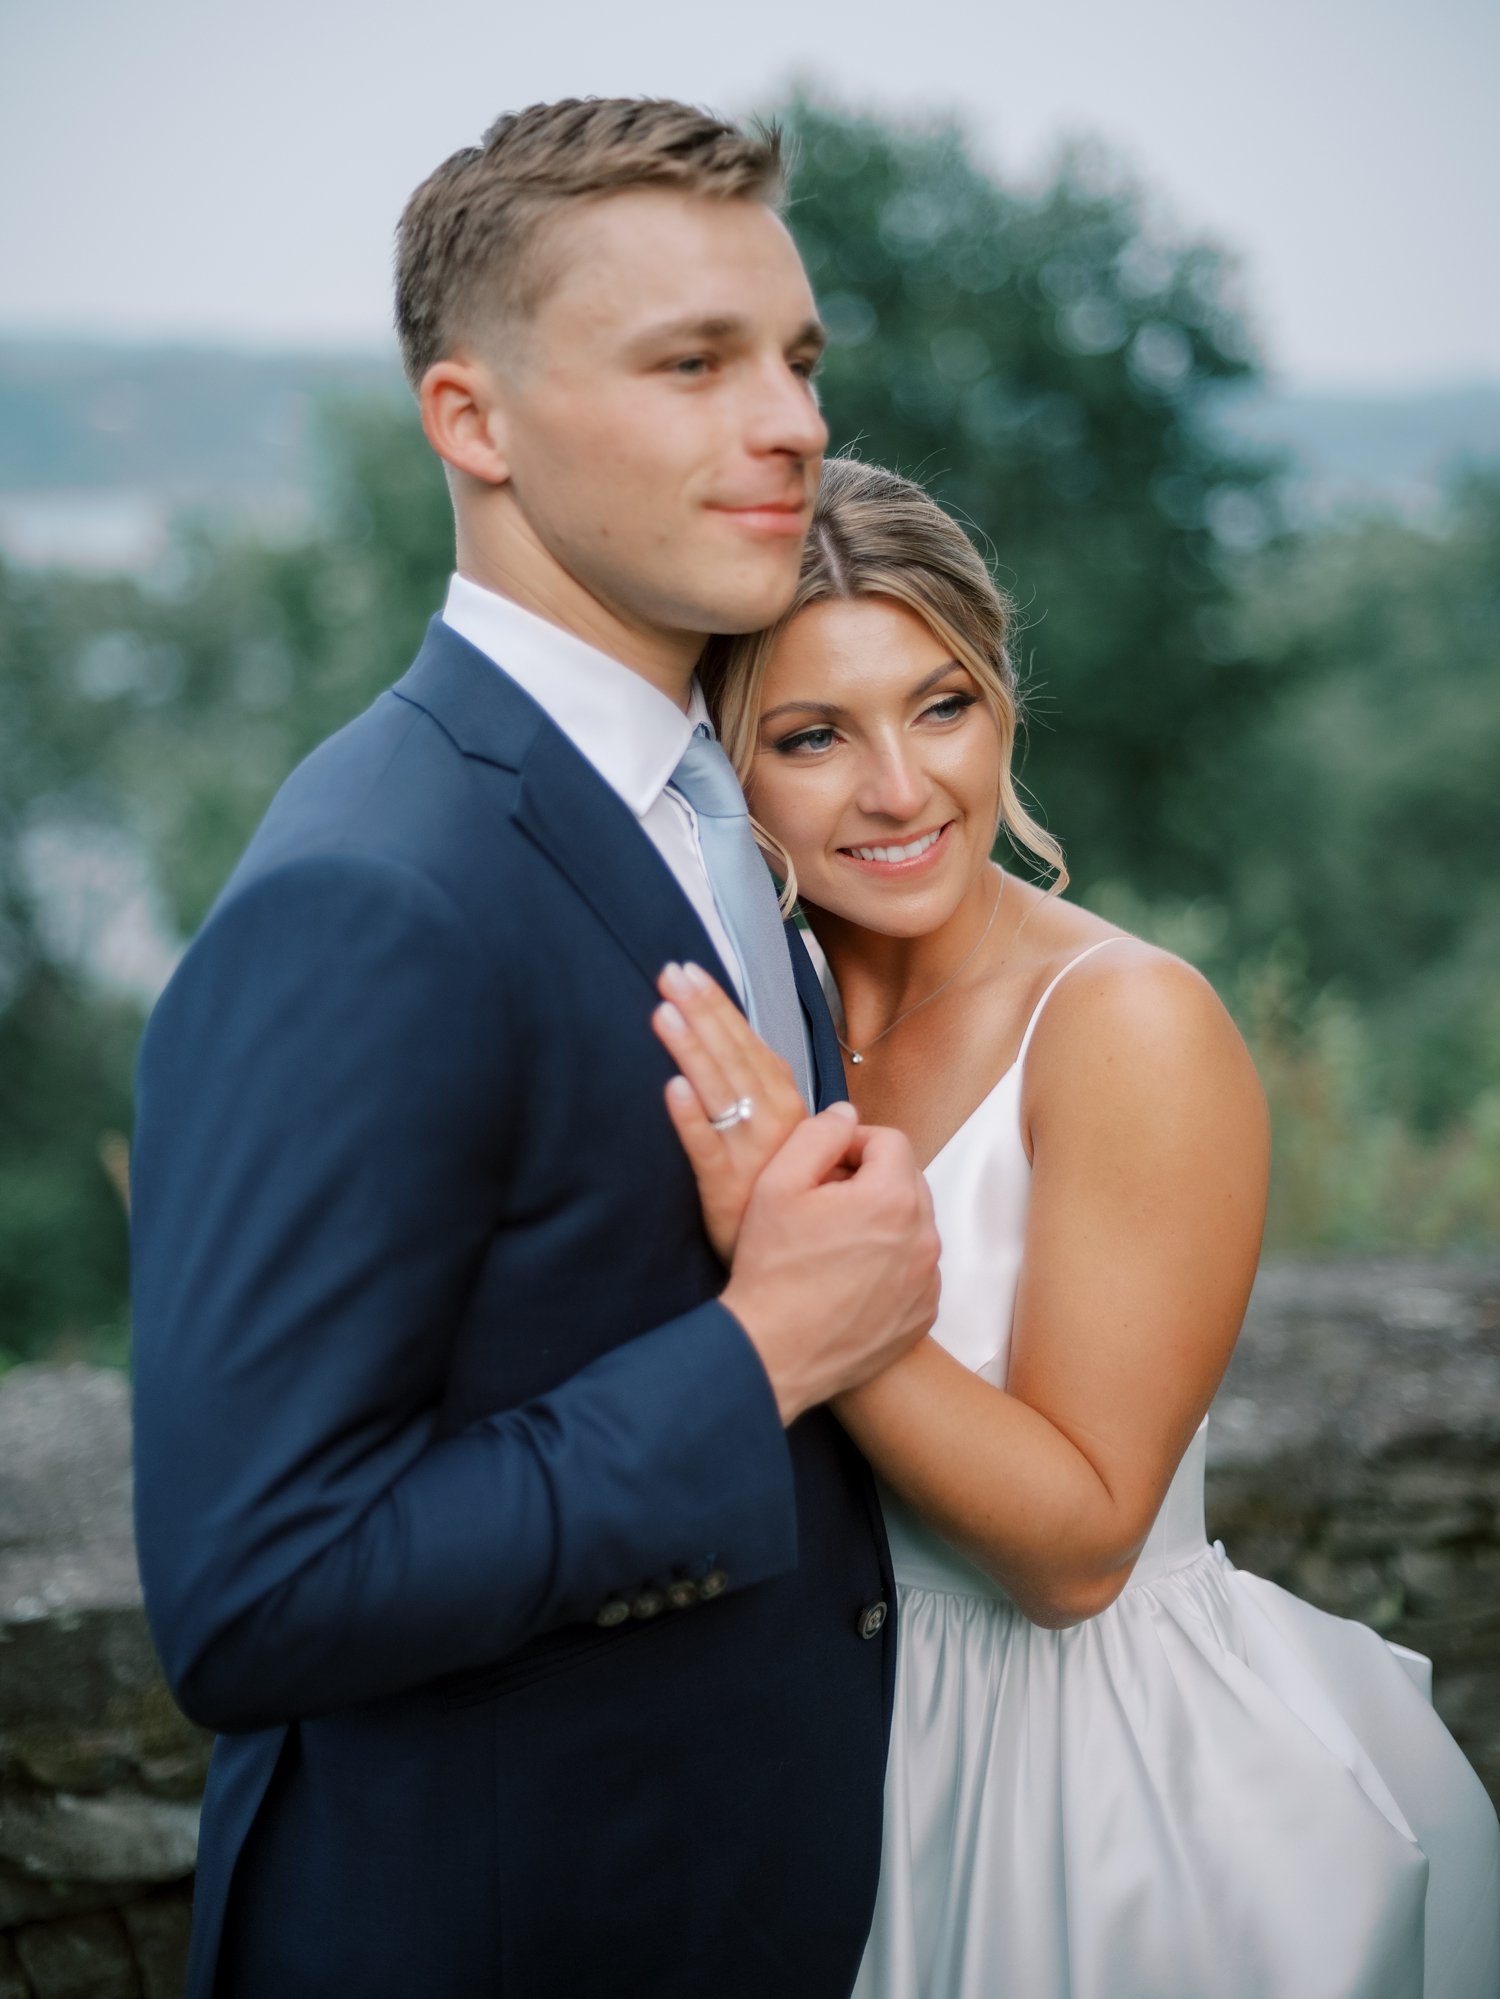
(463, 419)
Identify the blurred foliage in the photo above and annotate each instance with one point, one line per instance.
(158, 718)
(1273, 752)
(64, 1049)
(255, 653)
(1366, 802)
(1352, 1169)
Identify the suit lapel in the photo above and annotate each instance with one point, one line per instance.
(562, 805)
(593, 838)
(828, 1068)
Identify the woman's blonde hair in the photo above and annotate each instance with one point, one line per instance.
(875, 534)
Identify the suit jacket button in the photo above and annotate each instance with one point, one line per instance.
(648, 1603)
(871, 1620)
(614, 1612)
(713, 1584)
(682, 1595)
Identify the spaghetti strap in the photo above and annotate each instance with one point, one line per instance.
(1036, 1012)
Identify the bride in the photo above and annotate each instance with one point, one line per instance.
(1119, 1767)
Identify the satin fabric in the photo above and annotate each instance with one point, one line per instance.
(1210, 1791)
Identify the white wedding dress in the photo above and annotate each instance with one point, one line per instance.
(1210, 1791)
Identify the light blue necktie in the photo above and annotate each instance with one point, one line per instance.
(746, 899)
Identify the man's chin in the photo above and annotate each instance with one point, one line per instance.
(748, 605)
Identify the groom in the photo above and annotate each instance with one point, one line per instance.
(540, 1606)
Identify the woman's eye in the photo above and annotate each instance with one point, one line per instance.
(811, 740)
(950, 707)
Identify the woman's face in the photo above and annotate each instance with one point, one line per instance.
(877, 766)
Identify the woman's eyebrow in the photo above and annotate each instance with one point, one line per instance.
(801, 708)
(922, 687)
(938, 673)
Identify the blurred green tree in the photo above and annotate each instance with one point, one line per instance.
(155, 722)
(267, 649)
(1367, 799)
(65, 1048)
(1050, 365)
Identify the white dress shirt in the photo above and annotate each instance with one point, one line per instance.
(628, 730)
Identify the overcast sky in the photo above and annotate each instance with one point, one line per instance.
(196, 170)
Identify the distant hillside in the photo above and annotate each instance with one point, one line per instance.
(169, 420)
(1386, 450)
(101, 445)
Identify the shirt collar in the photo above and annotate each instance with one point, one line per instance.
(630, 731)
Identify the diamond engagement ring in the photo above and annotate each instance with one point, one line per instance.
(739, 1113)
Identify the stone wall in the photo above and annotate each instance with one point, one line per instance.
(99, 1773)
(1354, 1457)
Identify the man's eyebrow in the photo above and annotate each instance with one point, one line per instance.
(730, 326)
(831, 708)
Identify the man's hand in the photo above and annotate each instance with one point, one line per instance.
(835, 1273)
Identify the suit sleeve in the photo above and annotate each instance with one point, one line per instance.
(314, 1180)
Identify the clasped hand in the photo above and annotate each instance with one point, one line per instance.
(825, 1224)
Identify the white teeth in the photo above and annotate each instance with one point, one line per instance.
(906, 853)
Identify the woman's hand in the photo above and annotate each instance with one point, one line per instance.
(724, 1063)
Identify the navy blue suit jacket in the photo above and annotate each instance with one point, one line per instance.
(430, 1368)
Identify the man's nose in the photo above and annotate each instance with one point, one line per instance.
(786, 416)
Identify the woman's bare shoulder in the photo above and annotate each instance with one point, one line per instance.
(1135, 1018)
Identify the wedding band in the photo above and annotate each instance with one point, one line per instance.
(740, 1113)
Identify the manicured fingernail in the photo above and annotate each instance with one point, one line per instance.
(673, 979)
(680, 1090)
(843, 1109)
(670, 1018)
(696, 976)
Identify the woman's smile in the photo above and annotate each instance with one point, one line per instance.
(917, 854)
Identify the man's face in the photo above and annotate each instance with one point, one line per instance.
(660, 427)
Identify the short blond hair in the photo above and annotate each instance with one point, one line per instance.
(467, 246)
(875, 534)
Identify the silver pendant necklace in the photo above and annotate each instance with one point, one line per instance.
(854, 1054)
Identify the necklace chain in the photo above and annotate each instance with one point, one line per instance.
(857, 1057)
